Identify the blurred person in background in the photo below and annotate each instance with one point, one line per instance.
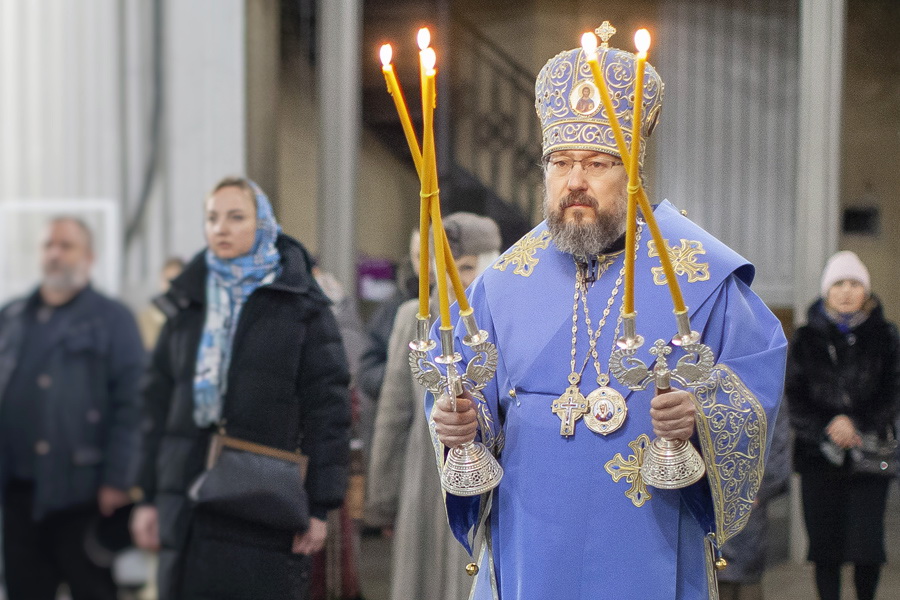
(746, 553)
(252, 347)
(342, 545)
(152, 318)
(374, 356)
(70, 364)
(404, 490)
(842, 386)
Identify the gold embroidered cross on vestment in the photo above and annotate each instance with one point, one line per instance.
(630, 469)
(684, 261)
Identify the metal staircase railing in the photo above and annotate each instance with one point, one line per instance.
(490, 164)
(496, 136)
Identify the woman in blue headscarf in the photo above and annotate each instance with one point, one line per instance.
(250, 346)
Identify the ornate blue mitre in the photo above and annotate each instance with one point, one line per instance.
(569, 106)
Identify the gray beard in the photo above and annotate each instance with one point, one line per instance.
(582, 239)
(65, 280)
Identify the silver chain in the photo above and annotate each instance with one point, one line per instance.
(603, 379)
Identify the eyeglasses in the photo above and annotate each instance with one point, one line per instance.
(594, 166)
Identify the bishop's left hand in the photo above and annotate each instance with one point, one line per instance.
(672, 415)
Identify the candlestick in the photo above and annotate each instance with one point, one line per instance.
(470, 469)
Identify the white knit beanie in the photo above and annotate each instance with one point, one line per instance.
(844, 265)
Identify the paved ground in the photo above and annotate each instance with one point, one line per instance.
(786, 580)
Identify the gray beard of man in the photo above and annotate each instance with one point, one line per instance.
(582, 239)
(59, 278)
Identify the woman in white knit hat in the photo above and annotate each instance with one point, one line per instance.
(843, 388)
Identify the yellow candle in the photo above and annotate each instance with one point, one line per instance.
(458, 288)
(634, 182)
(423, 39)
(393, 87)
(429, 185)
(589, 44)
(630, 256)
(642, 40)
(664, 260)
(424, 269)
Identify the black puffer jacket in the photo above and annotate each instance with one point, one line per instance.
(287, 381)
(831, 373)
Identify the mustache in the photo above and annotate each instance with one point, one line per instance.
(579, 199)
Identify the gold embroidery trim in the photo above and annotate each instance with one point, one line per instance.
(522, 254)
(733, 438)
(630, 469)
(684, 261)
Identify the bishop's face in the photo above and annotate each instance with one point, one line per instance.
(586, 200)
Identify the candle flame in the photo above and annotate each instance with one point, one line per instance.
(386, 54)
(428, 60)
(642, 40)
(589, 42)
(423, 38)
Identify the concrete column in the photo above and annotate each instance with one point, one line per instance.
(818, 144)
(818, 168)
(340, 92)
(205, 108)
(263, 90)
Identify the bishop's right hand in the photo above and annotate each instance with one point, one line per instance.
(455, 428)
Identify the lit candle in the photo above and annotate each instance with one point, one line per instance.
(429, 179)
(642, 42)
(426, 167)
(393, 87)
(589, 45)
(423, 39)
(642, 39)
(427, 189)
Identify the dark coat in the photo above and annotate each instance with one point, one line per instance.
(831, 373)
(373, 360)
(90, 408)
(287, 384)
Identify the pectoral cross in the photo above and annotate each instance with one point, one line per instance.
(570, 407)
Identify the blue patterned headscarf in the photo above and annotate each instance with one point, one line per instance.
(228, 285)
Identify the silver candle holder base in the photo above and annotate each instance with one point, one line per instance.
(667, 464)
(469, 469)
(672, 464)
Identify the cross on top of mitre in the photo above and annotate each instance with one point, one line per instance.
(604, 32)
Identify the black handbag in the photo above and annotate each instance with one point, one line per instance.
(875, 456)
(253, 482)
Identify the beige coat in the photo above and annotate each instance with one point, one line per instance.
(403, 483)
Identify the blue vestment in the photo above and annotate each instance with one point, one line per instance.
(559, 525)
